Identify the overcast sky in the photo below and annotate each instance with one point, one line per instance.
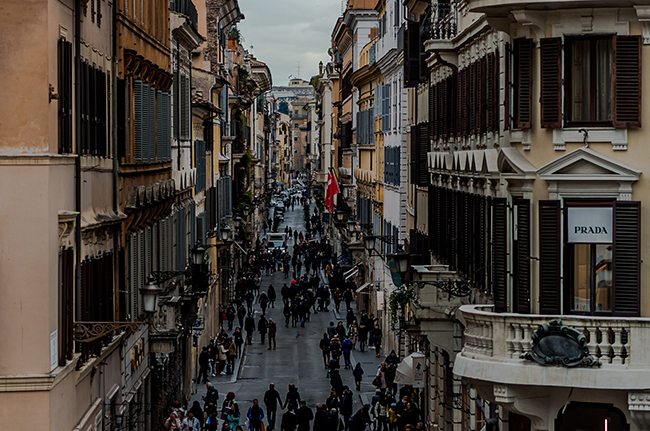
(290, 36)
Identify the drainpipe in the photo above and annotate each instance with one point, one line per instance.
(114, 76)
(77, 166)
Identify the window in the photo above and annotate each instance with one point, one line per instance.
(602, 255)
(602, 79)
(590, 71)
(592, 278)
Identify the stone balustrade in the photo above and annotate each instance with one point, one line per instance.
(619, 341)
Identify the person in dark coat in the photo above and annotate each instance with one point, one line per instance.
(293, 397)
(262, 327)
(331, 330)
(249, 326)
(336, 382)
(360, 419)
(198, 412)
(289, 421)
(334, 422)
(203, 364)
(305, 415)
(271, 400)
(273, 329)
(320, 417)
(333, 402)
(241, 313)
(340, 331)
(272, 296)
(347, 401)
(264, 302)
(325, 348)
(358, 375)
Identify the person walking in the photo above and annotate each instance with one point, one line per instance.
(347, 401)
(293, 397)
(271, 401)
(358, 375)
(305, 416)
(262, 327)
(241, 313)
(376, 340)
(346, 346)
(172, 423)
(203, 365)
(288, 421)
(233, 416)
(273, 329)
(325, 348)
(255, 415)
(272, 295)
(190, 423)
(249, 326)
(239, 340)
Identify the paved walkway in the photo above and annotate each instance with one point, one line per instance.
(298, 358)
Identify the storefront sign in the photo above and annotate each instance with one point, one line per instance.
(590, 225)
(418, 371)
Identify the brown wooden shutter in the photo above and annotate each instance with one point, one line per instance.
(627, 258)
(549, 257)
(522, 257)
(462, 104)
(423, 169)
(412, 54)
(67, 306)
(415, 151)
(508, 88)
(551, 76)
(627, 82)
(481, 124)
(491, 78)
(472, 97)
(499, 253)
(523, 51)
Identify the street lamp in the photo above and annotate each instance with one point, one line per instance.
(225, 233)
(401, 259)
(150, 293)
(246, 211)
(237, 222)
(198, 254)
(369, 242)
(340, 215)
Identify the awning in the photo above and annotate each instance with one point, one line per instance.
(411, 370)
(364, 287)
(351, 273)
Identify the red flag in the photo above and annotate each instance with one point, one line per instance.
(332, 190)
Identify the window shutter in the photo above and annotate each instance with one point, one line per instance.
(159, 126)
(415, 150)
(491, 93)
(167, 124)
(627, 257)
(423, 169)
(412, 54)
(499, 253)
(433, 111)
(524, 82)
(522, 258)
(65, 96)
(481, 96)
(138, 90)
(627, 81)
(551, 77)
(508, 87)
(472, 98)
(462, 104)
(549, 257)
(151, 157)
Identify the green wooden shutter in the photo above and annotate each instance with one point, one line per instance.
(139, 121)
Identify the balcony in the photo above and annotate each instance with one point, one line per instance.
(440, 22)
(495, 342)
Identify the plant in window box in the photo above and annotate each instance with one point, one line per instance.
(399, 299)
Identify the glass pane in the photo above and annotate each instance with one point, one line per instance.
(580, 81)
(604, 78)
(582, 277)
(603, 272)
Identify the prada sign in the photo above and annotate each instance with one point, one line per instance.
(590, 225)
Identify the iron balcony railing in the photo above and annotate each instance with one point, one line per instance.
(440, 21)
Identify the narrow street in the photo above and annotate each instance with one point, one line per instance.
(297, 360)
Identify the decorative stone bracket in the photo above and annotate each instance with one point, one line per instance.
(519, 402)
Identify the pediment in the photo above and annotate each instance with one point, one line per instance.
(512, 163)
(586, 164)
